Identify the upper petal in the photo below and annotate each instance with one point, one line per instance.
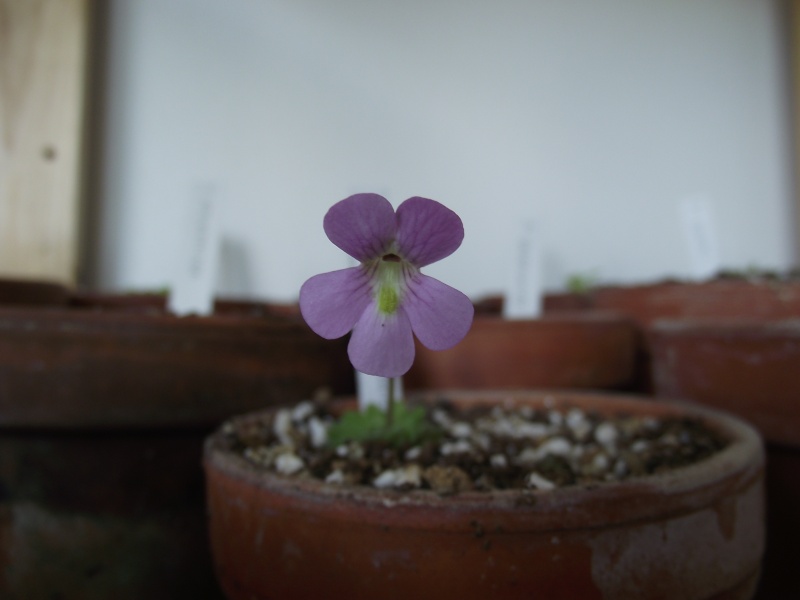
(362, 225)
(382, 345)
(440, 315)
(332, 303)
(427, 231)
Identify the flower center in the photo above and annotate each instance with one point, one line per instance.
(389, 283)
(388, 300)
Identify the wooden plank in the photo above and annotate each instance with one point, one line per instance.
(43, 58)
(794, 71)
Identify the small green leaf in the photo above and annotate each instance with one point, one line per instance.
(409, 426)
(580, 283)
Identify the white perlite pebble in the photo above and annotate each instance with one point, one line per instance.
(318, 432)
(533, 431)
(534, 480)
(289, 463)
(408, 476)
(336, 476)
(302, 411)
(506, 427)
(558, 445)
(461, 430)
(282, 425)
(580, 426)
(459, 447)
(600, 462)
(575, 417)
(413, 453)
(352, 450)
(528, 456)
(606, 434)
(498, 461)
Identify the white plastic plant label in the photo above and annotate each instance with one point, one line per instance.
(701, 236)
(373, 390)
(523, 298)
(193, 290)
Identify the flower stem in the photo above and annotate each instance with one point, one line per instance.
(390, 403)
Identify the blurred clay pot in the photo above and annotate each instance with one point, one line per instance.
(103, 414)
(772, 299)
(692, 533)
(154, 368)
(566, 350)
(717, 298)
(750, 367)
(25, 292)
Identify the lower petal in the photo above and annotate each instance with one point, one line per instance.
(440, 315)
(332, 303)
(382, 345)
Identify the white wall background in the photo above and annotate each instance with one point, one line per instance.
(596, 118)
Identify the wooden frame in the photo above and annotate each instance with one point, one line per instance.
(794, 73)
(44, 48)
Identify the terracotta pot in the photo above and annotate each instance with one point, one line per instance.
(102, 421)
(692, 533)
(718, 298)
(156, 369)
(569, 350)
(752, 368)
(23, 292)
(749, 367)
(667, 299)
(155, 303)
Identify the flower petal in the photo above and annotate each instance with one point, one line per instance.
(427, 231)
(362, 225)
(440, 315)
(381, 344)
(332, 303)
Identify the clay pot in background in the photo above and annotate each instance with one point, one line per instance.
(31, 292)
(568, 350)
(750, 367)
(716, 298)
(692, 533)
(102, 419)
(772, 299)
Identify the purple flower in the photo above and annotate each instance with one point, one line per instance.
(386, 298)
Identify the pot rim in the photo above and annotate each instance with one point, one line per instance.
(680, 491)
(67, 321)
(741, 326)
(599, 317)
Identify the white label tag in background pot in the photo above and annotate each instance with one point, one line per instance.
(193, 290)
(523, 298)
(701, 236)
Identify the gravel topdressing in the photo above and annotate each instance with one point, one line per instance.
(492, 448)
